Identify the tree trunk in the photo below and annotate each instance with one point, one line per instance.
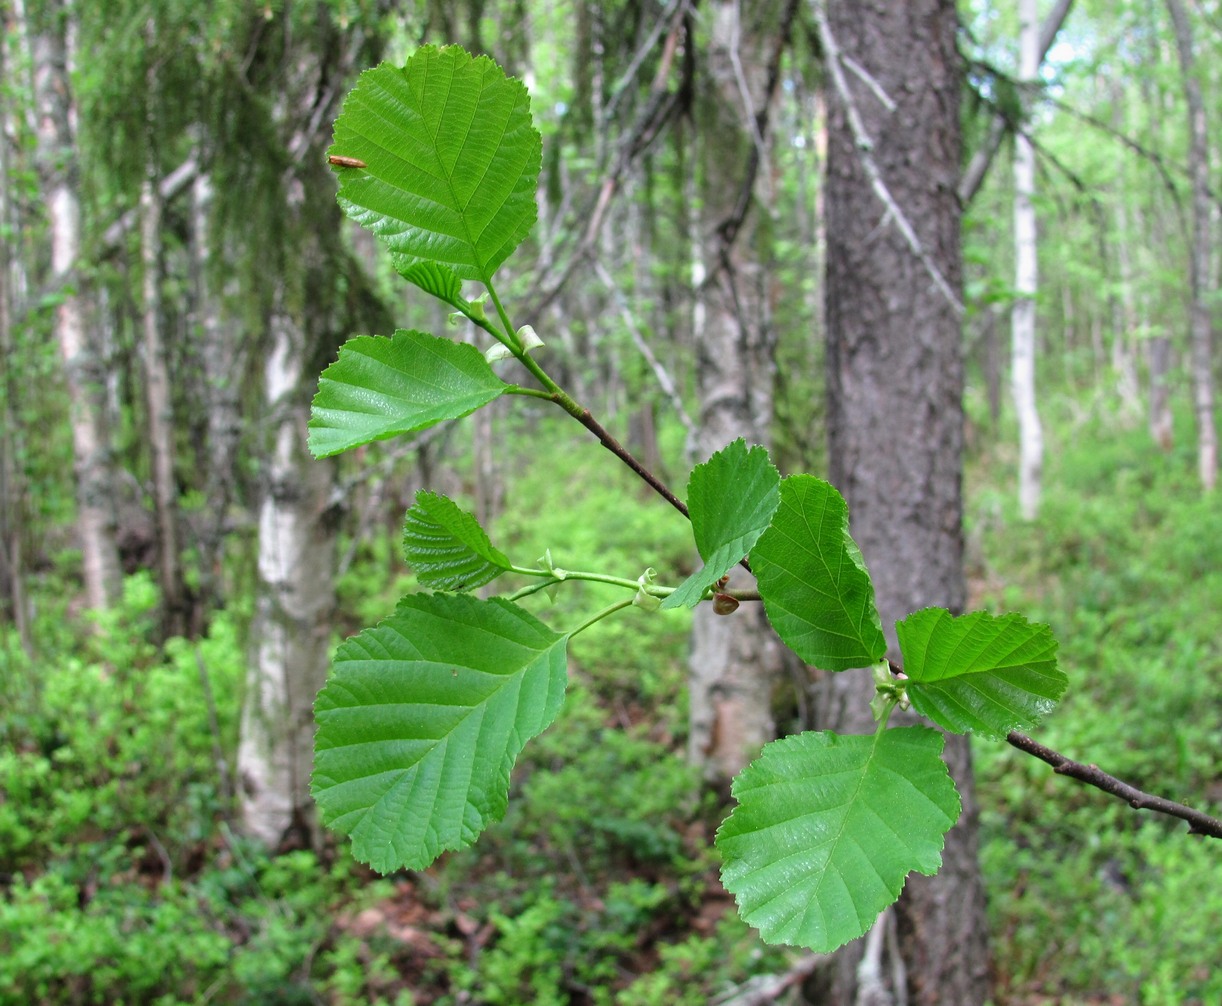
(174, 607)
(295, 596)
(224, 357)
(58, 175)
(895, 381)
(1202, 278)
(1022, 376)
(315, 302)
(734, 660)
(13, 603)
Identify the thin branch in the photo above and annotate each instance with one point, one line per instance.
(169, 187)
(728, 229)
(865, 146)
(867, 78)
(973, 176)
(765, 989)
(620, 87)
(605, 438)
(1161, 164)
(1199, 823)
(660, 107)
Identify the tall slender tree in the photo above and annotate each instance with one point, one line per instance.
(47, 30)
(895, 383)
(1026, 284)
(1200, 261)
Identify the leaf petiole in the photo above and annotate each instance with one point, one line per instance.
(600, 615)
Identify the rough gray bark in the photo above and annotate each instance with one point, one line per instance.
(58, 176)
(224, 355)
(160, 419)
(1200, 259)
(895, 379)
(734, 659)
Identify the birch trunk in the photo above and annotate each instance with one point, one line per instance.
(895, 384)
(314, 303)
(1022, 373)
(290, 632)
(1201, 264)
(83, 371)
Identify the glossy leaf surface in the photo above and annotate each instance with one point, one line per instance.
(979, 672)
(446, 547)
(381, 387)
(731, 498)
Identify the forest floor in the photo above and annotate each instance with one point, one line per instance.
(124, 883)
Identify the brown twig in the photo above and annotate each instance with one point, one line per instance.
(1199, 823)
(620, 451)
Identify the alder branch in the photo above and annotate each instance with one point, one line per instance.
(865, 146)
(586, 418)
(1199, 823)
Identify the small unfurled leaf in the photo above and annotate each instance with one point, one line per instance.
(438, 280)
(381, 387)
(813, 580)
(422, 720)
(979, 672)
(731, 498)
(827, 828)
(446, 547)
(451, 161)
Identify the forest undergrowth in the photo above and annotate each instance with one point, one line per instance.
(122, 881)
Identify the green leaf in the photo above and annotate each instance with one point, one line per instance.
(980, 672)
(446, 546)
(381, 387)
(813, 580)
(828, 827)
(731, 499)
(422, 720)
(439, 281)
(451, 161)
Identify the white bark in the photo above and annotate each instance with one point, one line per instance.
(1030, 433)
(92, 462)
(291, 627)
